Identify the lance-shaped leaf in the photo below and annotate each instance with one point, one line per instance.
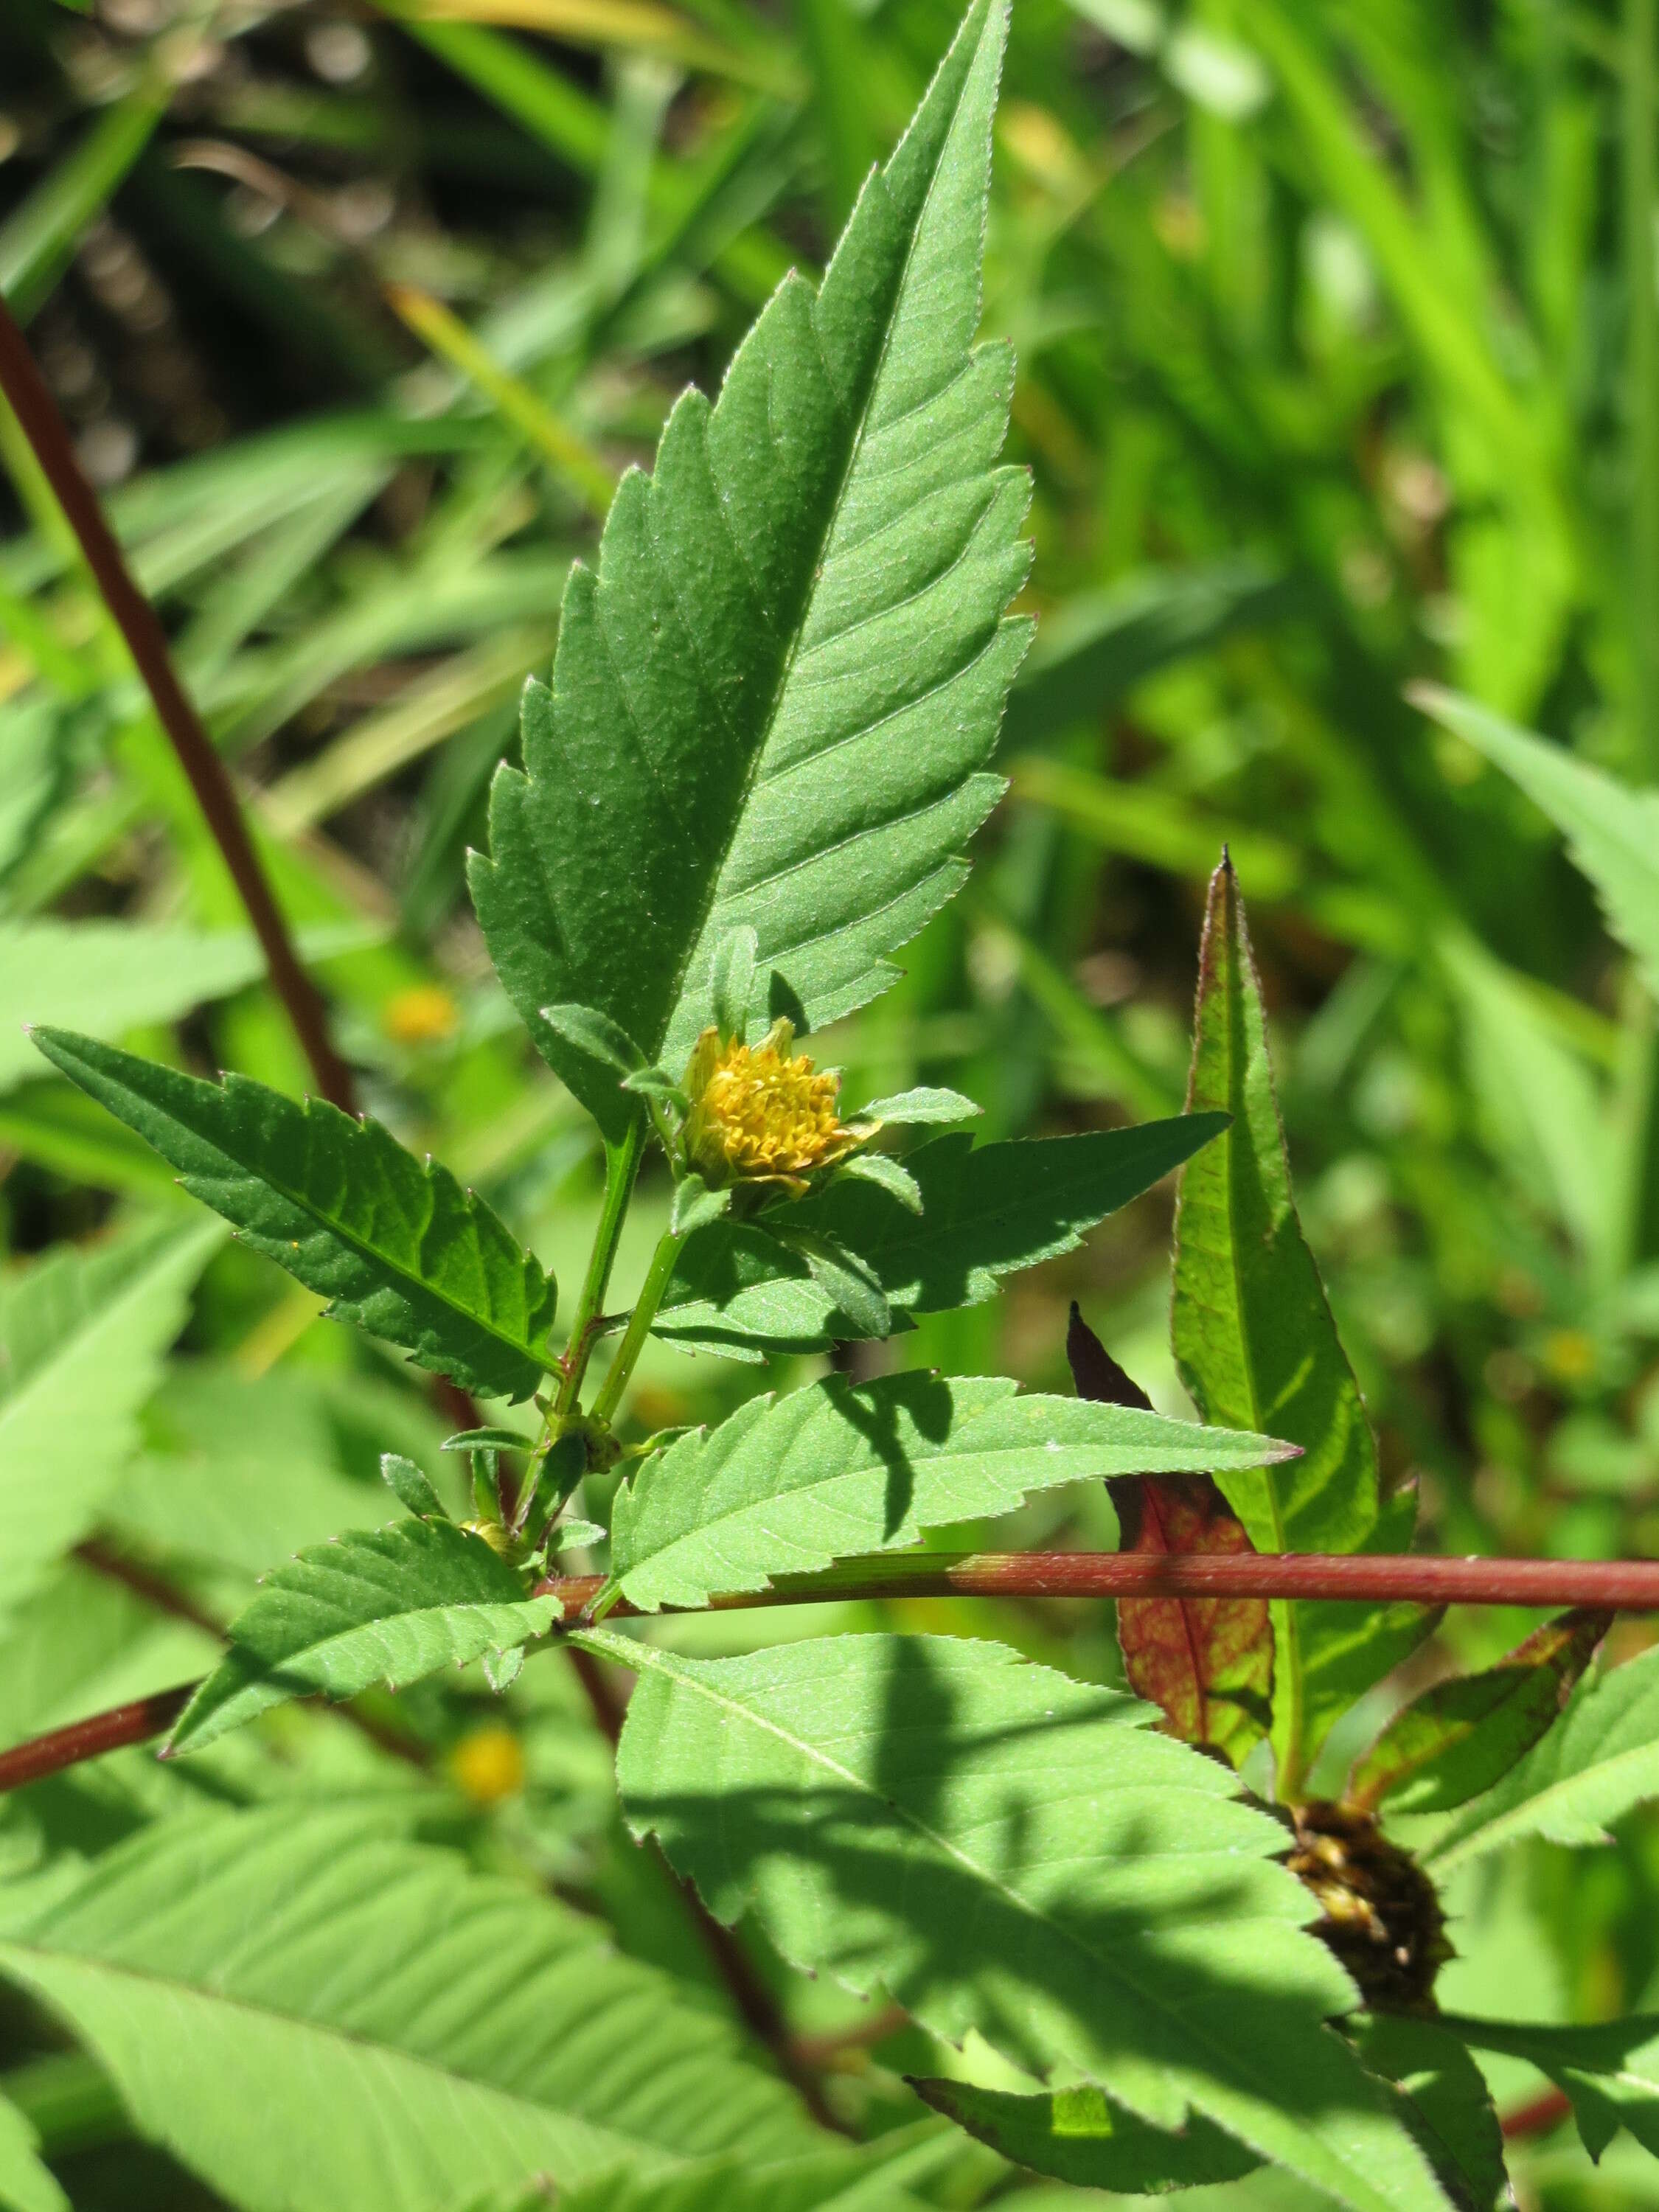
(1461, 1736)
(1612, 831)
(312, 2015)
(1600, 1760)
(772, 706)
(831, 1472)
(1001, 1848)
(82, 1336)
(1258, 1349)
(1079, 2136)
(387, 1605)
(1448, 2104)
(1206, 1663)
(396, 1244)
(986, 1211)
(1610, 2073)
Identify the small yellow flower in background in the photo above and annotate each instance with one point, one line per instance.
(423, 1014)
(762, 1114)
(488, 1763)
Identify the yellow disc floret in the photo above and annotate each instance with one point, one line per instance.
(763, 1114)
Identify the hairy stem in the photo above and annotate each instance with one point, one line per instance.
(638, 1325)
(146, 640)
(1624, 1585)
(622, 1164)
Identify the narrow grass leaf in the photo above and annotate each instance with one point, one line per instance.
(1462, 1737)
(833, 1472)
(986, 1211)
(773, 702)
(310, 2015)
(1257, 1348)
(873, 1800)
(397, 1246)
(388, 1606)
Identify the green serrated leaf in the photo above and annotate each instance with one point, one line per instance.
(411, 1488)
(311, 2015)
(922, 1104)
(696, 1206)
(1612, 831)
(1258, 1349)
(1449, 2104)
(1461, 1736)
(870, 1798)
(25, 2185)
(1600, 1760)
(389, 1606)
(833, 1472)
(1081, 2136)
(594, 1037)
(986, 1211)
(82, 1336)
(1610, 2073)
(398, 1246)
(878, 1167)
(772, 706)
(846, 1280)
(731, 980)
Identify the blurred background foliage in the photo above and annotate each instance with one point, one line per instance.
(1339, 369)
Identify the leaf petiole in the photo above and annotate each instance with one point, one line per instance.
(639, 1323)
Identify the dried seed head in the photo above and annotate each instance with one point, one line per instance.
(1382, 1918)
(762, 1115)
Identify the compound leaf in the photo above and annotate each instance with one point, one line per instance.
(1001, 1848)
(772, 705)
(831, 1472)
(82, 1336)
(986, 1209)
(1254, 1338)
(1610, 2072)
(396, 1244)
(1463, 1735)
(387, 1606)
(311, 2015)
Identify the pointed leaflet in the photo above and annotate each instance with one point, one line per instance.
(1206, 1663)
(1461, 1736)
(831, 1472)
(1001, 1848)
(1612, 831)
(1257, 1348)
(772, 706)
(1081, 2136)
(1600, 1760)
(312, 2017)
(82, 1335)
(397, 1246)
(1448, 2105)
(986, 1209)
(386, 1606)
(1610, 2072)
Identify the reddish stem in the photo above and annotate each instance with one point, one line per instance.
(1541, 2117)
(1623, 1585)
(139, 625)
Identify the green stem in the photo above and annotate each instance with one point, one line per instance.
(639, 1326)
(622, 1165)
(1642, 366)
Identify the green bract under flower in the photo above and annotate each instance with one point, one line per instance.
(762, 1114)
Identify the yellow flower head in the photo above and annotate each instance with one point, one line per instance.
(760, 1114)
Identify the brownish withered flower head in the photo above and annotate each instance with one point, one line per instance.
(763, 1114)
(1382, 1917)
